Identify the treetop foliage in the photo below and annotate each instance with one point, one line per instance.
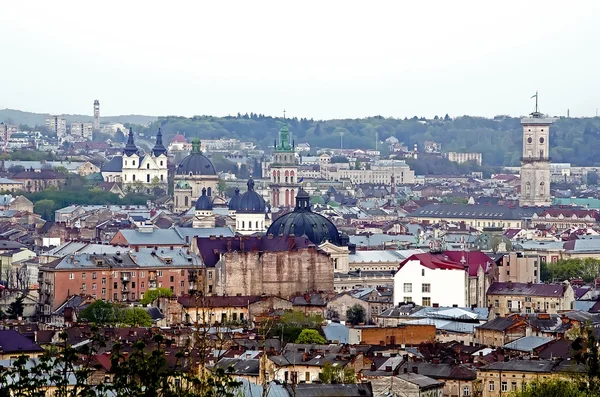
(498, 139)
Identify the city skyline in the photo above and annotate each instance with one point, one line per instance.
(319, 61)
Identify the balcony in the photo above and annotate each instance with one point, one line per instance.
(152, 284)
(125, 289)
(124, 277)
(536, 159)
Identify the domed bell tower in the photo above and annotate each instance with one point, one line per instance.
(284, 171)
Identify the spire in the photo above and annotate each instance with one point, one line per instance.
(159, 148)
(250, 184)
(196, 144)
(130, 148)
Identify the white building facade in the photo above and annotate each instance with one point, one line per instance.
(429, 286)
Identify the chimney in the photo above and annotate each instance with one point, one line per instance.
(388, 368)
(415, 370)
(187, 239)
(137, 248)
(373, 367)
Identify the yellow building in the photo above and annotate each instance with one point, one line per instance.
(501, 378)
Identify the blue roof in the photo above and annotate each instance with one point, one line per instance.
(528, 343)
(114, 165)
(336, 332)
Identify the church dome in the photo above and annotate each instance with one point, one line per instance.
(303, 222)
(251, 202)
(234, 202)
(195, 163)
(204, 203)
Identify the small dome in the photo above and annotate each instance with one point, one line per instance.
(196, 163)
(251, 202)
(234, 202)
(204, 202)
(303, 222)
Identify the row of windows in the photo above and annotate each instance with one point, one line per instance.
(426, 301)
(243, 225)
(148, 179)
(130, 274)
(147, 165)
(425, 287)
(504, 386)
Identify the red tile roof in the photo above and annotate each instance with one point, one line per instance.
(449, 260)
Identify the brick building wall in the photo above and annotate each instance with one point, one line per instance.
(279, 273)
(401, 335)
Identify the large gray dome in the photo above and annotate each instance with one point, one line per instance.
(251, 202)
(303, 222)
(196, 163)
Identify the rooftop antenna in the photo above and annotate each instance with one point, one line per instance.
(536, 113)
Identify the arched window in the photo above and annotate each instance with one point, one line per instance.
(125, 162)
(292, 197)
(186, 201)
(278, 176)
(542, 188)
(287, 174)
(161, 177)
(148, 166)
(243, 224)
(125, 176)
(287, 197)
(161, 163)
(209, 191)
(147, 178)
(133, 162)
(292, 176)
(133, 176)
(256, 225)
(527, 188)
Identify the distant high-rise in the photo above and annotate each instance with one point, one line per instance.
(58, 125)
(535, 163)
(96, 115)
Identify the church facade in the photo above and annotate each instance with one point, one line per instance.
(135, 168)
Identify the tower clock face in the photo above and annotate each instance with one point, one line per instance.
(529, 140)
(542, 139)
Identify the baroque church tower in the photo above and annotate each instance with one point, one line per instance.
(535, 163)
(284, 171)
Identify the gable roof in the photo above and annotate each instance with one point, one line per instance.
(13, 342)
(527, 289)
(474, 211)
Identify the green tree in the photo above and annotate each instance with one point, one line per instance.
(120, 136)
(16, 308)
(553, 387)
(331, 374)
(13, 169)
(310, 336)
(137, 317)
(153, 294)
(45, 208)
(221, 186)
(356, 314)
(98, 312)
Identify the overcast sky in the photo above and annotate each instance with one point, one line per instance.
(320, 59)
